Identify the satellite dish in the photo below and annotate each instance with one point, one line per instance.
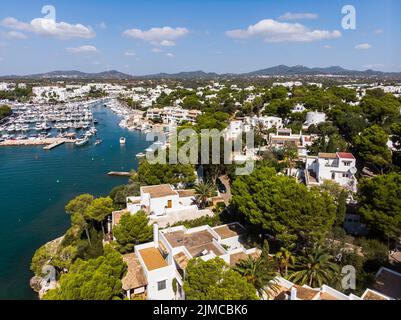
(353, 170)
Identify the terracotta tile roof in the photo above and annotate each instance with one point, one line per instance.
(152, 259)
(345, 155)
(135, 277)
(160, 191)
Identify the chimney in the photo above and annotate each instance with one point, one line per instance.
(156, 235)
(293, 293)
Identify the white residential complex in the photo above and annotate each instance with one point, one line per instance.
(156, 265)
(157, 270)
(173, 115)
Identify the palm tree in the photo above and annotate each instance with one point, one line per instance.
(315, 268)
(284, 260)
(203, 191)
(290, 154)
(260, 273)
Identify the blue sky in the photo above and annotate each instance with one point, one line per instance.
(144, 37)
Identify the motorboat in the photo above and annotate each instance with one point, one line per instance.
(81, 142)
(123, 140)
(141, 155)
(98, 141)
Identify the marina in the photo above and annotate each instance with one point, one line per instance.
(40, 124)
(44, 181)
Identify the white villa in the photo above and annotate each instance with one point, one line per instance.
(339, 167)
(285, 137)
(314, 118)
(154, 266)
(164, 205)
(266, 122)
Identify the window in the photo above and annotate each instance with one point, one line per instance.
(333, 176)
(347, 163)
(345, 175)
(162, 285)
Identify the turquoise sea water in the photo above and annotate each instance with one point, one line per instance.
(35, 185)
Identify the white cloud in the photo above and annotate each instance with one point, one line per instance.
(83, 49)
(291, 16)
(363, 46)
(157, 36)
(156, 50)
(327, 46)
(170, 55)
(130, 54)
(14, 35)
(274, 31)
(167, 43)
(379, 31)
(51, 28)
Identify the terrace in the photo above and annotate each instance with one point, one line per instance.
(197, 243)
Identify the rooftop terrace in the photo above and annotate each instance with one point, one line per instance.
(194, 242)
(152, 259)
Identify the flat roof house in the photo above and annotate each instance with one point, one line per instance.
(167, 257)
(285, 137)
(166, 205)
(339, 167)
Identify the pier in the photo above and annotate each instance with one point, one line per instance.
(119, 174)
(55, 144)
(48, 143)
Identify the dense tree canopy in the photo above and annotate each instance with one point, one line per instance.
(371, 147)
(215, 280)
(282, 207)
(153, 174)
(95, 279)
(132, 230)
(380, 204)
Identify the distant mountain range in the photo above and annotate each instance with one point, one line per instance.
(281, 70)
